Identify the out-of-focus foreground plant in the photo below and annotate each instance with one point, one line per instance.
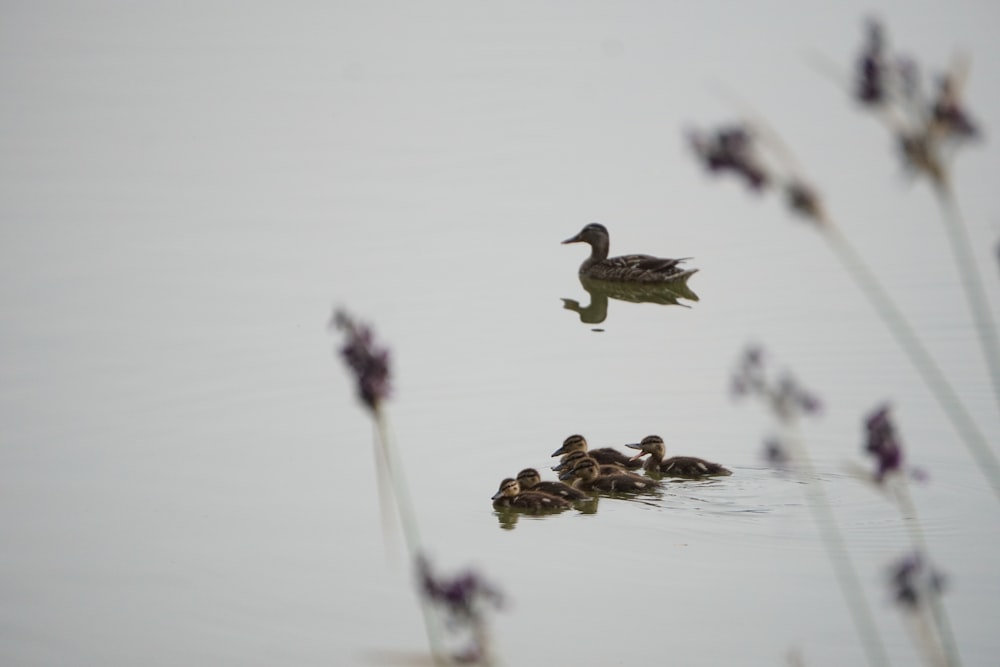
(739, 149)
(788, 400)
(464, 601)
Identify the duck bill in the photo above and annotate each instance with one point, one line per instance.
(636, 445)
(559, 451)
(497, 496)
(566, 476)
(575, 239)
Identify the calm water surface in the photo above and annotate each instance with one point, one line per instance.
(186, 476)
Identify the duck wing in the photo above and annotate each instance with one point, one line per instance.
(648, 267)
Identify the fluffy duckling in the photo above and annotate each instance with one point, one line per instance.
(589, 478)
(688, 467)
(509, 495)
(603, 455)
(529, 480)
(569, 461)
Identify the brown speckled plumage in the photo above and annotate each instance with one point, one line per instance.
(688, 467)
(530, 480)
(510, 495)
(603, 455)
(587, 477)
(625, 268)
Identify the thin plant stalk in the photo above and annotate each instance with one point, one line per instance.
(385, 501)
(408, 522)
(836, 549)
(921, 359)
(961, 249)
(949, 647)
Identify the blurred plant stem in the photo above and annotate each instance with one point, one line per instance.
(836, 550)
(965, 261)
(921, 359)
(388, 456)
(945, 651)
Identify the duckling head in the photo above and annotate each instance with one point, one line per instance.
(574, 443)
(508, 489)
(651, 444)
(570, 460)
(586, 469)
(528, 478)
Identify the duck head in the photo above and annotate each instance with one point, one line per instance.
(574, 443)
(508, 489)
(651, 445)
(594, 233)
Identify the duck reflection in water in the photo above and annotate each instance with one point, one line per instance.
(664, 294)
(507, 517)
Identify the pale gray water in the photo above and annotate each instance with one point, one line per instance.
(188, 190)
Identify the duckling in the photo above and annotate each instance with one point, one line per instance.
(627, 268)
(509, 495)
(529, 480)
(603, 455)
(688, 467)
(569, 461)
(589, 478)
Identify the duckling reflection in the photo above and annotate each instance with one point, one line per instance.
(508, 517)
(510, 496)
(587, 477)
(665, 294)
(686, 467)
(603, 455)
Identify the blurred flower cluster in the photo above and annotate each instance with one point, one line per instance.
(924, 125)
(883, 444)
(913, 581)
(786, 397)
(464, 600)
(738, 149)
(368, 361)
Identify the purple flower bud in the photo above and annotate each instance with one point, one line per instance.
(911, 580)
(775, 453)
(948, 113)
(731, 149)
(368, 362)
(462, 596)
(871, 69)
(463, 600)
(804, 200)
(882, 443)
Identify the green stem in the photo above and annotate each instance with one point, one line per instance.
(961, 249)
(408, 521)
(836, 549)
(908, 508)
(932, 376)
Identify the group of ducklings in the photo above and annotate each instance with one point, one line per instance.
(602, 470)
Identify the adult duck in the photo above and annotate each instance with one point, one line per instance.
(625, 268)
